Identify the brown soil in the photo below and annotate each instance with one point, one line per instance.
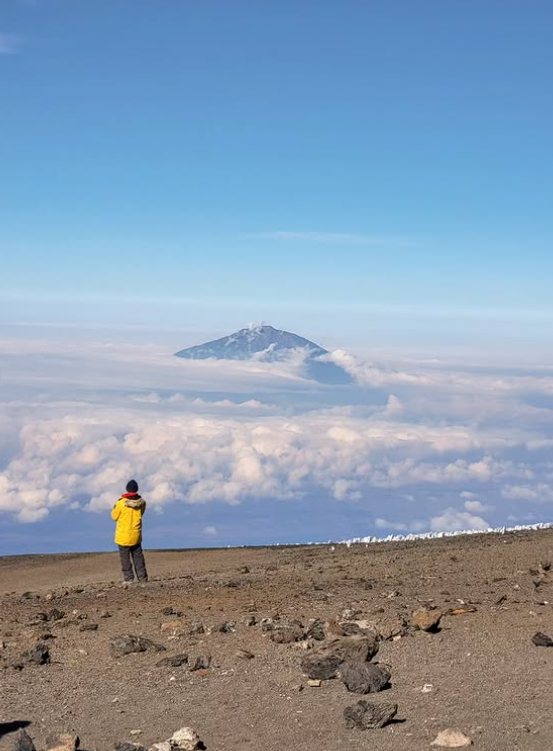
(487, 677)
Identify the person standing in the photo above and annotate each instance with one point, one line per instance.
(128, 513)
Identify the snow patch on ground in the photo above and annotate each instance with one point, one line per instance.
(370, 539)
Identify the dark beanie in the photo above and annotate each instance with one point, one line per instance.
(132, 486)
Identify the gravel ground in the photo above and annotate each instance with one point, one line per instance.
(481, 672)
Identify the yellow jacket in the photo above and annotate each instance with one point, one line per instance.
(128, 513)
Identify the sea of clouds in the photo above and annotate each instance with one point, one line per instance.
(253, 452)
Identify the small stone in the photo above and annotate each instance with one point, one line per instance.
(351, 629)
(39, 655)
(364, 678)
(287, 634)
(426, 620)
(201, 661)
(369, 715)
(56, 615)
(89, 627)
(185, 739)
(163, 746)
(324, 662)
(251, 620)
(197, 628)
(542, 640)
(244, 570)
(450, 738)
(244, 654)
(351, 648)
(333, 628)
(314, 683)
(316, 630)
(351, 614)
(463, 611)
(173, 662)
(173, 627)
(320, 667)
(226, 627)
(23, 742)
(170, 611)
(385, 628)
(63, 742)
(129, 747)
(124, 645)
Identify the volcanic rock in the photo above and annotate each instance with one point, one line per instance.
(364, 678)
(39, 655)
(369, 715)
(426, 620)
(288, 633)
(201, 661)
(542, 640)
(125, 645)
(173, 662)
(23, 742)
(321, 667)
(316, 630)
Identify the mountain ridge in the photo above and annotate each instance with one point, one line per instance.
(269, 344)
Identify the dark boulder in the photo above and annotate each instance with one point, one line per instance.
(364, 678)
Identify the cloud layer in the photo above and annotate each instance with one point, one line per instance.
(419, 448)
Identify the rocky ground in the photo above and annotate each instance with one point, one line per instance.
(273, 649)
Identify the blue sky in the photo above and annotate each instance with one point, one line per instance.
(374, 175)
(329, 163)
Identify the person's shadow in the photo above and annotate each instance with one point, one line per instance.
(10, 727)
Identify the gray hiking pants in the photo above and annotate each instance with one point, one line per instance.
(130, 554)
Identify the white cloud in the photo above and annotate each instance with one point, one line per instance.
(413, 526)
(380, 523)
(394, 407)
(195, 458)
(210, 531)
(476, 507)
(454, 521)
(73, 440)
(449, 381)
(31, 515)
(538, 493)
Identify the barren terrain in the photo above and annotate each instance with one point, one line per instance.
(479, 673)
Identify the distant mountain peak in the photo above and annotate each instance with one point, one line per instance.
(264, 342)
